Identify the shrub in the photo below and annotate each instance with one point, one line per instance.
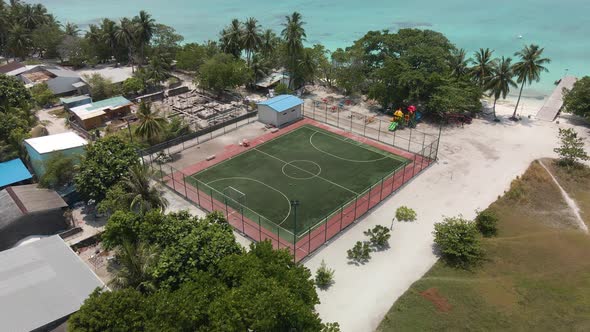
(487, 223)
(324, 276)
(404, 213)
(459, 242)
(361, 252)
(282, 89)
(42, 95)
(378, 236)
(571, 151)
(331, 327)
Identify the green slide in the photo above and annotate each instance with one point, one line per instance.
(392, 126)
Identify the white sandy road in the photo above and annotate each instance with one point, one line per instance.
(476, 164)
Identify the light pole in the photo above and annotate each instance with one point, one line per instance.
(129, 128)
(294, 205)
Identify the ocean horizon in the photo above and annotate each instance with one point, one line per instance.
(561, 27)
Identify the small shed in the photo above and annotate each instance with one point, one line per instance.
(71, 102)
(94, 114)
(280, 110)
(40, 149)
(27, 210)
(43, 283)
(13, 172)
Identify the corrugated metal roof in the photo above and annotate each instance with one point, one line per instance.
(282, 102)
(114, 102)
(13, 171)
(57, 142)
(74, 99)
(41, 282)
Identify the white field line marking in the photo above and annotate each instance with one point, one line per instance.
(306, 171)
(349, 141)
(341, 158)
(262, 183)
(294, 178)
(570, 202)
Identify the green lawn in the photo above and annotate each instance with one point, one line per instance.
(537, 273)
(320, 169)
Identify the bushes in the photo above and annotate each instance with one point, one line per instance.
(360, 253)
(378, 236)
(404, 213)
(487, 223)
(324, 276)
(458, 241)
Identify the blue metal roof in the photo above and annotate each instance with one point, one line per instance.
(13, 171)
(282, 102)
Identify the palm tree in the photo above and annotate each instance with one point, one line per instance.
(294, 35)
(145, 26)
(71, 29)
(158, 69)
(268, 42)
(231, 38)
(260, 67)
(251, 39)
(108, 35)
(141, 194)
(134, 264)
(501, 81)
(484, 64)
(459, 64)
(307, 65)
(151, 123)
(19, 41)
(529, 68)
(126, 35)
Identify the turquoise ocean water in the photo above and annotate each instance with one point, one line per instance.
(562, 27)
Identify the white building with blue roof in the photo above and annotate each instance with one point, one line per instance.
(280, 110)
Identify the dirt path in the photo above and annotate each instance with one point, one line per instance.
(570, 202)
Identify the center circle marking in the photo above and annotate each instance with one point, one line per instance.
(309, 175)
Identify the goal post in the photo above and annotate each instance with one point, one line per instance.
(234, 195)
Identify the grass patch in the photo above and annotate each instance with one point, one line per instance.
(59, 113)
(537, 272)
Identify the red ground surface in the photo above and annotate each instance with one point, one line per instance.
(326, 230)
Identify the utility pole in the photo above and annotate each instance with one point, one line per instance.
(294, 205)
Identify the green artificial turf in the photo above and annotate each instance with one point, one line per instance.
(320, 169)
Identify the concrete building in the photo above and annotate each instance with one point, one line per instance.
(42, 284)
(41, 149)
(94, 114)
(27, 210)
(280, 110)
(13, 172)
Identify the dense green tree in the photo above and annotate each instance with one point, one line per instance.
(529, 68)
(106, 162)
(71, 49)
(500, 81)
(45, 40)
(454, 97)
(13, 93)
(60, 171)
(16, 120)
(223, 72)
(192, 56)
(19, 41)
(106, 311)
(158, 69)
(42, 95)
(165, 40)
(350, 71)
(132, 86)
(100, 87)
(577, 100)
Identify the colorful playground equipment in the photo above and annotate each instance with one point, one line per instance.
(402, 119)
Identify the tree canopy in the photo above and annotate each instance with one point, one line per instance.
(15, 118)
(106, 162)
(577, 101)
(223, 72)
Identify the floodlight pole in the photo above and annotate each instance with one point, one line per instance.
(294, 205)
